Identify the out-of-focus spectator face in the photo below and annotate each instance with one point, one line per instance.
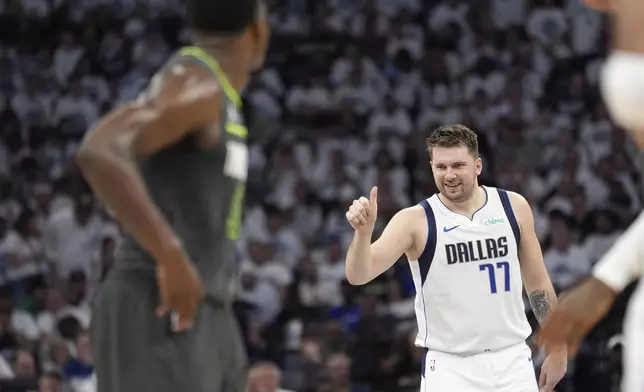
(83, 207)
(77, 286)
(49, 383)
(605, 168)
(24, 365)
(59, 353)
(603, 223)
(338, 369)
(248, 280)
(67, 40)
(334, 333)
(260, 252)
(264, 378)
(308, 269)
(83, 349)
(334, 249)
(560, 235)
(55, 300)
(274, 221)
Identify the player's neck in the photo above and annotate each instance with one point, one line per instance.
(467, 207)
(230, 59)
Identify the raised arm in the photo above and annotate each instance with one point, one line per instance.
(366, 261)
(178, 101)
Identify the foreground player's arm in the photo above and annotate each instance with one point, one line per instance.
(624, 262)
(533, 270)
(622, 78)
(583, 306)
(366, 261)
(179, 101)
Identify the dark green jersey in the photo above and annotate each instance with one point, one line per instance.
(201, 192)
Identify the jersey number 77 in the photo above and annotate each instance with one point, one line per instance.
(491, 271)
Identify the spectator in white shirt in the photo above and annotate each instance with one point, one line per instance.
(604, 235)
(309, 98)
(72, 237)
(76, 108)
(357, 94)
(265, 377)
(261, 295)
(390, 120)
(16, 322)
(315, 292)
(31, 106)
(547, 24)
(23, 249)
(566, 262)
(331, 264)
(66, 57)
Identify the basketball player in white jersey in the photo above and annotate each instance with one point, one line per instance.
(470, 249)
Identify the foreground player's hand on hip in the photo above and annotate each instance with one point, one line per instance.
(363, 212)
(553, 370)
(181, 291)
(576, 313)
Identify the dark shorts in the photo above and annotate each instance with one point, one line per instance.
(134, 351)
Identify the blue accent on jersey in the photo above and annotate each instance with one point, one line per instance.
(425, 259)
(507, 207)
(448, 229)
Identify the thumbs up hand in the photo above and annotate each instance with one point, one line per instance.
(363, 212)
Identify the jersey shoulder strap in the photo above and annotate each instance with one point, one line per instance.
(212, 64)
(509, 213)
(426, 258)
(233, 120)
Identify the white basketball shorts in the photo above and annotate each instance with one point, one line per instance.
(507, 370)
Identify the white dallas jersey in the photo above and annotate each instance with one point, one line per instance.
(468, 279)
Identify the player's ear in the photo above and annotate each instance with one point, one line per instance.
(478, 166)
(260, 29)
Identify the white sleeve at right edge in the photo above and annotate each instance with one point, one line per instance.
(624, 262)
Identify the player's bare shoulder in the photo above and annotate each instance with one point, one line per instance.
(522, 209)
(414, 220)
(179, 100)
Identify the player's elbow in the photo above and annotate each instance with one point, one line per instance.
(92, 158)
(356, 276)
(88, 156)
(356, 280)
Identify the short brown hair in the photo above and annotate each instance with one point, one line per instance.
(454, 135)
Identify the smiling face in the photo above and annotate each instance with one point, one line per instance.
(455, 171)
(454, 152)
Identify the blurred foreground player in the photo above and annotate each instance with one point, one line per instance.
(581, 308)
(172, 167)
(469, 249)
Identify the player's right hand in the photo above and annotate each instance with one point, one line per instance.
(180, 289)
(363, 212)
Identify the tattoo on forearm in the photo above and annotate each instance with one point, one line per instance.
(541, 302)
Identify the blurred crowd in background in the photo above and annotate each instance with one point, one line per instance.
(350, 91)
